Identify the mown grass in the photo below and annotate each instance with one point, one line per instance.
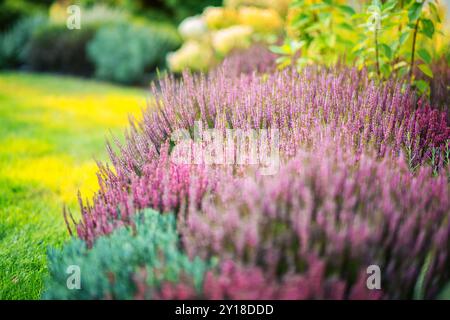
(52, 128)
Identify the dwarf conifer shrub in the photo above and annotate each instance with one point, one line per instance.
(14, 41)
(118, 266)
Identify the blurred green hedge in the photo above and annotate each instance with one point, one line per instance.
(13, 10)
(58, 49)
(119, 40)
(127, 52)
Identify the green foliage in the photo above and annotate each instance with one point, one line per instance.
(325, 33)
(181, 9)
(387, 37)
(11, 11)
(109, 269)
(13, 43)
(125, 52)
(160, 10)
(54, 47)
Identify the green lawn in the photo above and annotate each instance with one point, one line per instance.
(52, 128)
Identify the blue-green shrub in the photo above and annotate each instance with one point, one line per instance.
(56, 48)
(108, 269)
(14, 42)
(127, 52)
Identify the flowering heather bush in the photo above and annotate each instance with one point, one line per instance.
(235, 282)
(345, 196)
(258, 58)
(351, 213)
(439, 85)
(117, 265)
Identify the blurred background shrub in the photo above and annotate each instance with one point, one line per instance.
(92, 15)
(125, 52)
(124, 41)
(218, 31)
(128, 40)
(173, 10)
(14, 41)
(55, 48)
(13, 10)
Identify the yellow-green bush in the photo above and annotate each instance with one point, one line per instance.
(219, 18)
(193, 28)
(193, 55)
(220, 30)
(235, 37)
(281, 6)
(394, 37)
(263, 21)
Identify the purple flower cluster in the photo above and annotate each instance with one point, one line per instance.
(352, 213)
(234, 282)
(345, 196)
(256, 59)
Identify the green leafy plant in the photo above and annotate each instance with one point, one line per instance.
(324, 33)
(148, 252)
(400, 31)
(387, 37)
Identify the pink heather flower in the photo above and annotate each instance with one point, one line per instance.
(353, 188)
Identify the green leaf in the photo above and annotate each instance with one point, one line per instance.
(399, 65)
(426, 70)
(347, 9)
(278, 50)
(419, 289)
(283, 62)
(296, 45)
(376, 3)
(385, 69)
(435, 12)
(422, 85)
(403, 37)
(346, 26)
(387, 50)
(427, 28)
(388, 6)
(415, 11)
(424, 55)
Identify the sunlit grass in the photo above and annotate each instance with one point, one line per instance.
(52, 129)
